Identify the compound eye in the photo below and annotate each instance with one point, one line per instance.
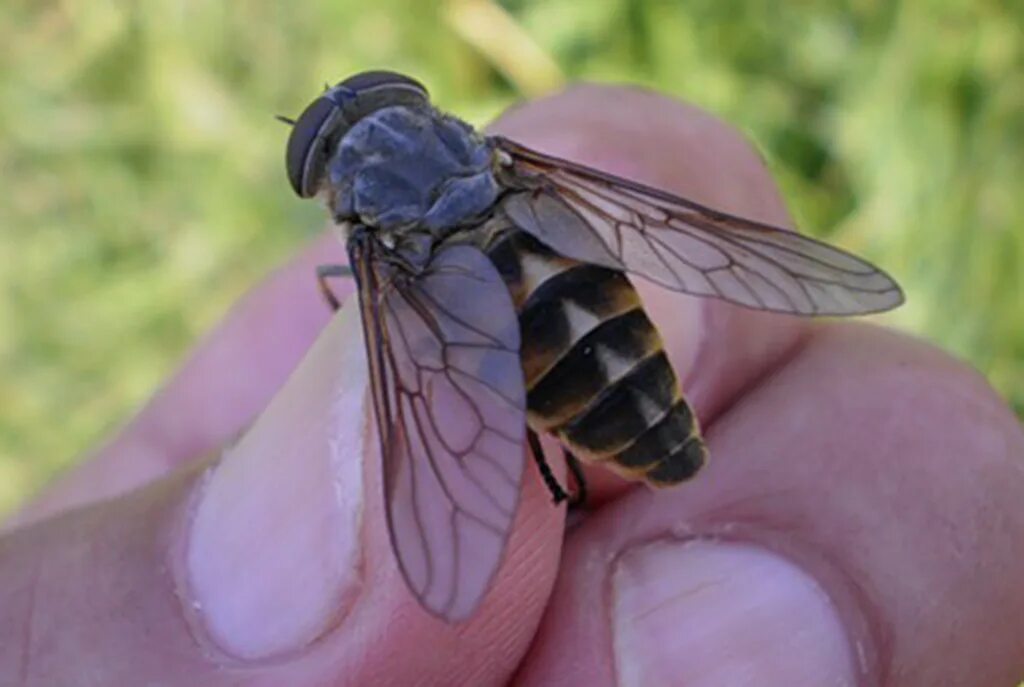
(305, 155)
(380, 79)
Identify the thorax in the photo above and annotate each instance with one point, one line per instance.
(406, 170)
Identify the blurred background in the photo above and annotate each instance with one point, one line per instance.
(144, 189)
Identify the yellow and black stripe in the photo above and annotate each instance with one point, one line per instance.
(596, 372)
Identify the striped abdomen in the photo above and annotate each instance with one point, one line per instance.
(595, 369)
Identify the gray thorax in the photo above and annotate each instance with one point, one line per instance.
(404, 171)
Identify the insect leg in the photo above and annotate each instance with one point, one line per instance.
(579, 497)
(325, 272)
(557, 493)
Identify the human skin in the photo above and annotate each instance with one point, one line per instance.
(859, 522)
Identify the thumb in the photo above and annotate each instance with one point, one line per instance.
(267, 565)
(169, 583)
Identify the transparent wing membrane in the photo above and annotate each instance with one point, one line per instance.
(443, 347)
(596, 217)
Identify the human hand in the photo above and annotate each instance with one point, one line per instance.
(859, 522)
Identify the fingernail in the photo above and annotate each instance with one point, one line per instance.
(708, 613)
(272, 554)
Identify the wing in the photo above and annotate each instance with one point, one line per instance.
(443, 350)
(600, 218)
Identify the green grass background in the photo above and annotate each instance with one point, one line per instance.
(143, 185)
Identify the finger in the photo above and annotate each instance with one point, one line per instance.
(219, 390)
(717, 349)
(269, 566)
(859, 525)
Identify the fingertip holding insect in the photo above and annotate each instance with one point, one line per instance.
(720, 613)
(272, 555)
